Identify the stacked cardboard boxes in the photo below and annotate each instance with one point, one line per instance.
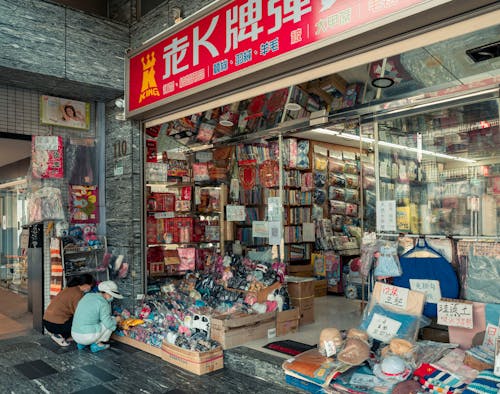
(301, 291)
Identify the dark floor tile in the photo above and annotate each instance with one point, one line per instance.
(94, 390)
(35, 369)
(99, 373)
(49, 344)
(124, 347)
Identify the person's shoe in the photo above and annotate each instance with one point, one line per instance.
(95, 347)
(79, 346)
(59, 340)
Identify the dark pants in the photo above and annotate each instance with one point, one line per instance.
(63, 329)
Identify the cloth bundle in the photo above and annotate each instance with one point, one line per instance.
(438, 381)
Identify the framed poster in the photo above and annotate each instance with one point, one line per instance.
(63, 112)
(83, 204)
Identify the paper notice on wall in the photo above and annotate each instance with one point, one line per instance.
(308, 234)
(386, 216)
(383, 328)
(274, 209)
(260, 229)
(431, 289)
(394, 296)
(455, 313)
(235, 213)
(274, 233)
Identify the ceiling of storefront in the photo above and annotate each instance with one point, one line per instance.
(431, 68)
(13, 150)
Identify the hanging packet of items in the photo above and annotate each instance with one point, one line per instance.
(483, 273)
(387, 263)
(45, 204)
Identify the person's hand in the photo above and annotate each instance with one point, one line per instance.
(118, 318)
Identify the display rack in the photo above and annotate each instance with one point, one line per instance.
(79, 260)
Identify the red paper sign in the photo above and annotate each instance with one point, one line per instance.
(245, 33)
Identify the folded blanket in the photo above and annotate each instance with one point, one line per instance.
(437, 381)
(485, 383)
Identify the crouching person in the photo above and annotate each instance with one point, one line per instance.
(93, 322)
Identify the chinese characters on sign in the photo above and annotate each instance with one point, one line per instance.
(490, 336)
(241, 34)
(394, 296)
(386, 215)
(455, 313)
(383, 328)
(431, 289)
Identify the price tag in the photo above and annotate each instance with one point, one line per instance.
(383, 328)
(271, 333)
(394, 296)
(431, 289)
(454, 313)
(330, 348)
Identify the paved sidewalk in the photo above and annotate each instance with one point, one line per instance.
(35, 364)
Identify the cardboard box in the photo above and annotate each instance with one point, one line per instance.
(306, 307)
(198, 363)
(156, 351)
(287, 321)
(300, 270)
(300, 287)
(262, 294)
(237, 329)
(320, 288)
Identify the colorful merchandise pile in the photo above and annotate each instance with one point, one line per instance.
(180, 312)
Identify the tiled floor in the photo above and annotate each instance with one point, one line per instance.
(32, 363)
(329, 311)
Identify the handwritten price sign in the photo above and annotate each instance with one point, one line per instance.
(455, 313)
(394, 296)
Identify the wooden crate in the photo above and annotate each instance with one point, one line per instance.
(237, 329)
(198, 363)
(287, 321)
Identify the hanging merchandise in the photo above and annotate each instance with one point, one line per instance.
(47, 157)
(84, 206)
(248, 175)
(483, 273)
(269, 173)
(45, 204)
(80, 161)
(426, 270)
(387, 264)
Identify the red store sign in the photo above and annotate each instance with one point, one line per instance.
(246, 33)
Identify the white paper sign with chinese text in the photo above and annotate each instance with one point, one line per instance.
(430, 288)
(260, 229)
(490, 336)
(235, 213)
(383, 328)
(274, 209)
(274, 233)
(455, 313)
(386, 215)
(394, 296)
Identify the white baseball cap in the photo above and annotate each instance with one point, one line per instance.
(110, 287)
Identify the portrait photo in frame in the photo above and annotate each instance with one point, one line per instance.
(57, 111)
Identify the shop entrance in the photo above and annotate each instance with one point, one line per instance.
(15, 152)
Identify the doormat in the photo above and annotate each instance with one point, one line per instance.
(292, 348)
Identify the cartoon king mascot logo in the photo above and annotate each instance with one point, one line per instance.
(149, 85)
